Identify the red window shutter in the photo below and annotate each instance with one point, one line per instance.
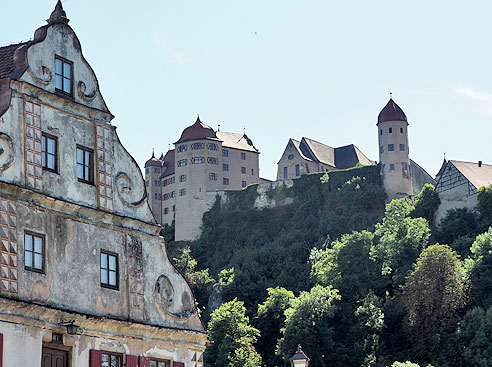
(143, 362)
(178, 364)
(131, 361)
(1, 350)
(95, 358)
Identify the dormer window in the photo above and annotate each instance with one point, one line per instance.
(63, 75)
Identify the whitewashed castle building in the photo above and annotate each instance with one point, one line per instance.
(85, 280)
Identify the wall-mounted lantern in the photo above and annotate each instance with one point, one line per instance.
(299, 359)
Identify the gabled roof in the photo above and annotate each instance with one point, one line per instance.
(236, 141)
(391, 112)
(478, 176)
(349, 155)
(441, 170)
(168, 164)
(318, 151)
(197, 131)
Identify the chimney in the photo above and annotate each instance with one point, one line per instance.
(479, 163)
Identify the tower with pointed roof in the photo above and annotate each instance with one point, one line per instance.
(154, 166)
(394, 151)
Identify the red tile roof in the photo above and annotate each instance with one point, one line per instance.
(168, 165)
(197, 131)
(391, 112)
(153, 161)
(7, 59)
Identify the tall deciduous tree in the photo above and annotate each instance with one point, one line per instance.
(479, 270)
(311, 321)
(233, 338)
(269, 320)
(426, 203)
(434, 292)
(399, 240)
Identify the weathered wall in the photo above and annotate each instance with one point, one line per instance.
(304, 165)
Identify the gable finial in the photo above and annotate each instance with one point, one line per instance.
(153, 156)
(58, 15)
(244, 130)
(391, 95)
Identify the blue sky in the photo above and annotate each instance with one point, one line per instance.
(320, 69)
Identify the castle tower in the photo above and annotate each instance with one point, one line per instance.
(394, 151)
(153, 184)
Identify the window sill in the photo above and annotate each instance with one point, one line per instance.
(115, 288)
(85, 181)
(34, 270)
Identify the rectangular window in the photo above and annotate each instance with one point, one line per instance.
(197, 160)
(243, 183)
(111, 359)
(401, 130)
(405, 166)
(173, 180)
(391, 147)
(212, 146)
(166, 196)
(252, 171)
(225, 181)
(390, 130)
(225, 153)
(212, 160)
(402, 147)
(182, 192)
(48, 152)
(159, 363)
(165, 183)
(381, 132)
(298, 170)
(85, 165)
(243, 170)
(285, 172)
(166, 210)
(34, 252)
(160, 197)
(212, 176)
(156, 170)
(155, 196)
(174, 208)
(182, 178)
(182, 148)
(109, 270)
(225, 167)
(392, 167)
(172, 194)
(156, 183)
(63, 75)
(243, 156)
(381, 149)
(182, 162)
(197, 146)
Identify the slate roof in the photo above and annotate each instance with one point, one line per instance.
(478, 176)
(153, 161)
(391, 112)
(236, 141)
(168, 164)
(318, 151)
(7, 59)
(197, 131)
(297, 145)
(349, 155)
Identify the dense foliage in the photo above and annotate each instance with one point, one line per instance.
(356, 283)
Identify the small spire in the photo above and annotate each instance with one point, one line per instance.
(391, 95)
(58, 15)
(218, 128)
(244, 130)
(198, 118)
(153, 156)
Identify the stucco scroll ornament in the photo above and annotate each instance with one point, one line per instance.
(165, 298)
(81, 88)
(127, 193)
(6, 152)
(43, 79)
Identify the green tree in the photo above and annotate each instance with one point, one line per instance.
(232, 338)
(269, 320)
(484, 206)
(458, 228)
(399, 240)
(346, 265)
(434, 293)
(426, 203)
(475, 338)
(404, 364)
(311, 321)
(479, 270)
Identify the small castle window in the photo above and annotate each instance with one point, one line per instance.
(290, 157)
(212, 146)
(182, 148)
(243, 170)
(34, 252)
(402, 147)
(390, 130)
(381, 149)
(182, 178)
(109, 270)
(182, 163)
(225, 167)
(197, 160)
(212, 176)
(197, 146)
(63, 75)
(381, 132)
(48, 152)
(182, 192)
(401, 130)
(298, 170)
(166, 210)
(225, 181)
(285, 172)
(85, 164)
(391, 147)
(212, 160)
(243, 156)
(405, 166)
(243, 183)
(174, 208)
(392, 167)
(225, 153)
